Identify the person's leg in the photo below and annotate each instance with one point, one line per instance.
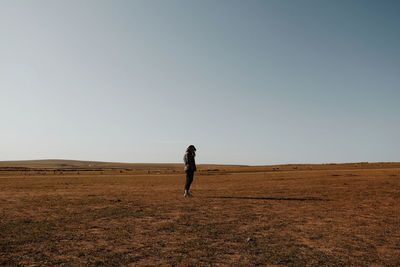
(189, 180)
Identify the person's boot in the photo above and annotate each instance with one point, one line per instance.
(187, 194)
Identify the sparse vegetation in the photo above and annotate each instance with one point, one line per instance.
(340, 215)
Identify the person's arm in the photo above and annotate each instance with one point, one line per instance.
(186, 161)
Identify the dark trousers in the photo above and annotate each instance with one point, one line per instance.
(189, 179)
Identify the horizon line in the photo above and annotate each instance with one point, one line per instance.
(220, 164)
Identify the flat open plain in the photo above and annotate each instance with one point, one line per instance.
(80, 213)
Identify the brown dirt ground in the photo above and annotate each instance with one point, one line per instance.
(291, 215)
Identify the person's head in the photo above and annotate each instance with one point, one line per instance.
(191, 149)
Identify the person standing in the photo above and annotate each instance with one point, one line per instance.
(190, 168)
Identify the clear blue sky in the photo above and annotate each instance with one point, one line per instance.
(246, 82)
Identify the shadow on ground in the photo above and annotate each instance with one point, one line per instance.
(272, 198)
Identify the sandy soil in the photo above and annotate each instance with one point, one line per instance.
(292, 215)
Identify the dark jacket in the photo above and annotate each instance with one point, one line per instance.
(188, 159)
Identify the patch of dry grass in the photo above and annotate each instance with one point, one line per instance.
(299, 217)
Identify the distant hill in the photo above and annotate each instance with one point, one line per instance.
(77, 164)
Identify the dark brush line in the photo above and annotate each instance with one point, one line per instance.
(272, 198)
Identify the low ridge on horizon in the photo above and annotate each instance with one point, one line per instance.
(69, 163)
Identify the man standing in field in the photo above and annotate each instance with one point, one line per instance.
(190, 168)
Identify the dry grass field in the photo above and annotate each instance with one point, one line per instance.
(88, 213)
